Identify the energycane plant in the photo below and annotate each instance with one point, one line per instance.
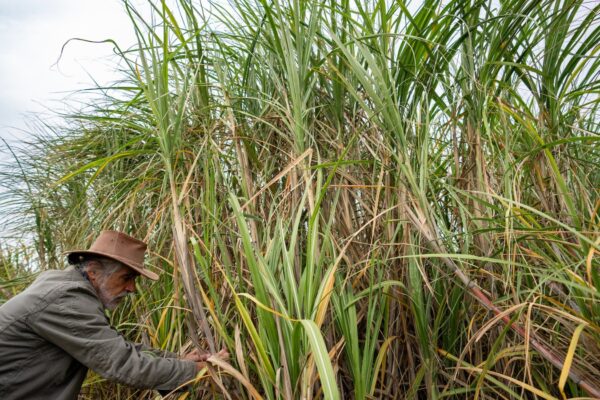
(359, 199)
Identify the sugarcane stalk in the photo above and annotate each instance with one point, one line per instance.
(425, 227)
(184, 260)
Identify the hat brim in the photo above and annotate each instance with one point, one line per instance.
(74, 254)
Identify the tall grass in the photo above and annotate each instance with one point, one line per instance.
(360, 199)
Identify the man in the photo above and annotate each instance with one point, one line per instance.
(52, 332)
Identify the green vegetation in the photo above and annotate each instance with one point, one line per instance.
(365, 199)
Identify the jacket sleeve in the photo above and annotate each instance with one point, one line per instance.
(76, 323)
(156, 352)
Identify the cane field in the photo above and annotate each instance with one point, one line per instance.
(359, 199)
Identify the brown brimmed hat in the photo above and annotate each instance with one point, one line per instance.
(116, 246)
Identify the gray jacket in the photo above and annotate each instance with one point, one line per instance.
(52, 332)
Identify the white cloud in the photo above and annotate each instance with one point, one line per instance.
(32, 33)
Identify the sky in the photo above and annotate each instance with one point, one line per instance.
(32, 33)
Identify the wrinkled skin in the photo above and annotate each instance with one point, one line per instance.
(113, 288)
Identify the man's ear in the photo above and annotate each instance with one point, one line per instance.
(93, 271)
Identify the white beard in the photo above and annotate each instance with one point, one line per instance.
(109, 302)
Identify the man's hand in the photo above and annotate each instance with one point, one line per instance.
(200, 357)
(196, 356)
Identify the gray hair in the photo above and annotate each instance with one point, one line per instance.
(109, 266)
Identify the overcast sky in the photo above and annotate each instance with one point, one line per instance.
(32, 33)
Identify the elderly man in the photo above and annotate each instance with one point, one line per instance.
(52, 332)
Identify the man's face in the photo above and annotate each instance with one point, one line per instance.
(113, 288)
